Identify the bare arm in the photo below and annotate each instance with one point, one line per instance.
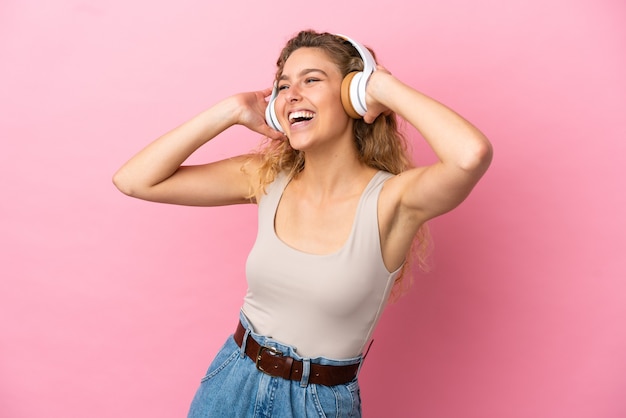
(415, 196)
(156, 174)
(463, 152)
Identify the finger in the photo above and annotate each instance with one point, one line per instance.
(272, 133)
(382, 69)
(368, 118)
(266, 92)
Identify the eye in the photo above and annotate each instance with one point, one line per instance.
(282, 87)
(311, 80)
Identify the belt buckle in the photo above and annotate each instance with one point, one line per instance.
(270, 350)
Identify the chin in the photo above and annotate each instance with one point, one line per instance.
(298, 143)
(298, 146)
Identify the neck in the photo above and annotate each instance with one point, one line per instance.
(336, 174)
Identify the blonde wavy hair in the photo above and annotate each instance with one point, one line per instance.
(380, 145)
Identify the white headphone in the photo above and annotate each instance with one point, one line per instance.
(352, 88)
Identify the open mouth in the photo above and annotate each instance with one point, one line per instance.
(300, 116)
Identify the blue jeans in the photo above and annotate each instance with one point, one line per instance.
(234, 387)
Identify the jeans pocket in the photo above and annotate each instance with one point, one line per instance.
(336, 401)
(223, 358)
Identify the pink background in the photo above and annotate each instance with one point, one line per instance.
(113, 307)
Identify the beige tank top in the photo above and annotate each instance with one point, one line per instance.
(323, 305)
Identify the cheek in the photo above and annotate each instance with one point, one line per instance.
(332, 102)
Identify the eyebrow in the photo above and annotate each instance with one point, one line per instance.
(303, 73)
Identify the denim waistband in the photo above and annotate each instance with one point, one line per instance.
(290, 350)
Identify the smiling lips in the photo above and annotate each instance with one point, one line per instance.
(300, 116)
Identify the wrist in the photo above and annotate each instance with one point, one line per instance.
(381, 86)
(226, 111)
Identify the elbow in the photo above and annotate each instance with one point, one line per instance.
(122, 184)
(478, 156)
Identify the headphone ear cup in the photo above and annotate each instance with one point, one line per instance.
(270, 114)
(357, 92)
(346, 97)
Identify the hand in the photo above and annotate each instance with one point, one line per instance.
(251, 113)
(374, 84)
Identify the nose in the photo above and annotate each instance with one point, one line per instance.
(293, 94)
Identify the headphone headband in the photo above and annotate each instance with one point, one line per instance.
(369, 63)
(352, 88)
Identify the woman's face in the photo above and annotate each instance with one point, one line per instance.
(309, 101)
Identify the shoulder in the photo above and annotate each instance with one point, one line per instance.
(397, 186)
(398, 224)
(392, 205)
(270, 181)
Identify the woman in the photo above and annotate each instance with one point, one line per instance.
(339, 211)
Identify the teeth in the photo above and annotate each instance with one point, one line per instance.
(295, 116)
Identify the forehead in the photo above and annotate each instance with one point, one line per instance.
(309, 58)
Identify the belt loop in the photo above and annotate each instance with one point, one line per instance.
(244, 343)
(306, 371)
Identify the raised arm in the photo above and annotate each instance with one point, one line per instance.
(463, 152)
(156, 172)
(417, 195)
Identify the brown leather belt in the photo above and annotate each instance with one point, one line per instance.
(271, 361)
